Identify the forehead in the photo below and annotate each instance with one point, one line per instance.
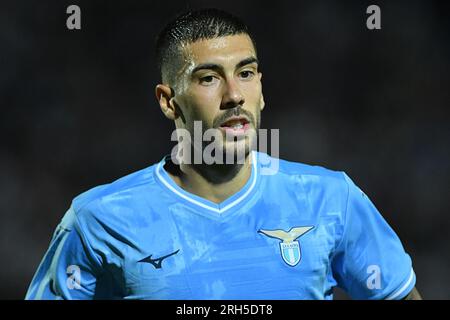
(222, 50)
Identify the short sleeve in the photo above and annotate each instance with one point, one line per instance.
(370, 261)
(69, 269)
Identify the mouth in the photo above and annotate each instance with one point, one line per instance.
(236, 125)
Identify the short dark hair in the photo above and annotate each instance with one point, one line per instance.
(190, 27)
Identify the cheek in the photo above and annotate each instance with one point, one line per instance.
(206, 94)
(203, 104)
(253, 94)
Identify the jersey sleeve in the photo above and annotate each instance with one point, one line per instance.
(370, 261)
(69, 269)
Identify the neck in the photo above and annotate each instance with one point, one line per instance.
(212, 182)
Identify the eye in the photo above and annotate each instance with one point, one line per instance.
(208, 80)
(246, 74)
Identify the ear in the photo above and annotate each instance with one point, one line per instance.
(164, 95)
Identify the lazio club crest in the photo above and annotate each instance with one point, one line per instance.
(289, 247)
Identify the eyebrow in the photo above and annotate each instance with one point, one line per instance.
(216, 67)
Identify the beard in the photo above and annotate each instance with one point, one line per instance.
(236, 148)
(215, 145)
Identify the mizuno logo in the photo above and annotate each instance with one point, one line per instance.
(157, 263)
(290, 249)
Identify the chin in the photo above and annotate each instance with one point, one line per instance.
(236, 152)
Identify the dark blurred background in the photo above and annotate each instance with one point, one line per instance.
(78, 110)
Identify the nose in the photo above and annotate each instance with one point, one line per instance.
(232, 96)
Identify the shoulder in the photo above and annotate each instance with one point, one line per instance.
(321, 187)
(320, 184)
(307, 173)
(102, 199)
(298, 168)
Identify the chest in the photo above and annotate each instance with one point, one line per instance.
(253, 255)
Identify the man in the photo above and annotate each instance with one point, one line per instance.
(192, 230)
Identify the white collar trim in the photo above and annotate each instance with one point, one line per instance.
(216, 209)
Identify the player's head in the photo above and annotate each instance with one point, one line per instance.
(209, 72)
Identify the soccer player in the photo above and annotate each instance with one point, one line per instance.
(180, 230)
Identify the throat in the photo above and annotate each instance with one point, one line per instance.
(215, 183)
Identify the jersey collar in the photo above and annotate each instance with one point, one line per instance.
(232, 202)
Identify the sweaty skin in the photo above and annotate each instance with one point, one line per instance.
(229, 87)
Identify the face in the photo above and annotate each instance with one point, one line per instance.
(219, 84)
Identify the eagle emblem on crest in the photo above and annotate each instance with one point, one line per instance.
(289, 247)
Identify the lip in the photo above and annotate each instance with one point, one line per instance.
(236, 132)
(243, 120)
(233, 131)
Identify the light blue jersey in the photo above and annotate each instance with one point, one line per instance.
(292, 235)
